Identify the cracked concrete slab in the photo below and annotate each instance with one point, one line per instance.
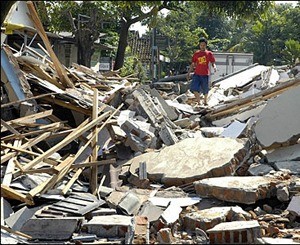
(238, 189)
(191, 159)
(280, 113)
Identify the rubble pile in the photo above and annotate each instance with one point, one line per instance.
(90, 157)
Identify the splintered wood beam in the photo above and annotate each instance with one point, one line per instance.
(94, 169)
(40, 29)
(10, 193)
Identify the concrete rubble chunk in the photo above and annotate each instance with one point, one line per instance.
(257, 169)
(277, 112)
(110, 226)
(212, 131)
(208, 157)
(286, 153)
(294, 205)
(235, 232)
(129, 204)
(167, 135)
(53, 228)
(19, 218)
(208, 218)
(141, 230)
(234, 130)
(292, 166)
(165, 236)
(151, 211)
(239, 189)
(171, 214)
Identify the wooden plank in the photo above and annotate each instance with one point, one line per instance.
(30, 118)
(263, 95)
(11, 129)
(40, 29)
(18, 233)
(72, 181)
(89, 164)
(10, 193)
(75, 134)
(68, 105)
(31, 98)
(94, 169)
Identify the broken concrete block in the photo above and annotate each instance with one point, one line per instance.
(257, 169)
(19, 218)
(171, 214)
(208, 218)
(103, 211)
(277, 112)
(110, 226)
(207, 158)
(235, 232)
(104, 191)
(287, 153)
(151, 211)
(283, 194)
(183, 122)
(170, 111)
(292, 166)
(167, 136)
(165, 236)
(52, 228)
(294, 205)
(141, 230)
(129, 204)
(114, 198)
(212, 131)
(234, 130)
(244, 189)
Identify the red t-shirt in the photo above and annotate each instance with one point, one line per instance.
(202, 59)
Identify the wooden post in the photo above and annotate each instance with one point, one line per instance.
(40, 29)
(94, 169)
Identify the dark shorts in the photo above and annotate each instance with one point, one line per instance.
(199, 84)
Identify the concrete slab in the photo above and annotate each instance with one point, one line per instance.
(194, 158)
(244, 189)
(208, 218)
(277, 113)
(292, 166)
(130, 204)
(234, 130)
(110, 226)
(287, 153)
(51, 228)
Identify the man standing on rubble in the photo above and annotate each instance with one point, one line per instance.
(200, 63)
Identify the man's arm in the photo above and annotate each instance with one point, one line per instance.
(214, 66)
(192, 66)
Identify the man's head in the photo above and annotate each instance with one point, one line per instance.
(202, 43)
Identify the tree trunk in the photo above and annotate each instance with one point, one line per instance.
(85, 47)
(122, 45)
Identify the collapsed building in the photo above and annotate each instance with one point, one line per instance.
(91, 157)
